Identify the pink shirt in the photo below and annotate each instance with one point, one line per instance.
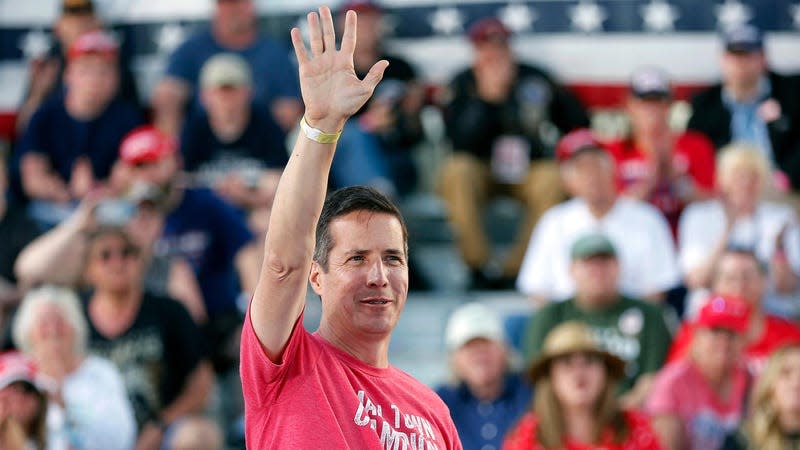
(680, 389)
(320, 397)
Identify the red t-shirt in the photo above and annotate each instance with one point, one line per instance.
(320, 397)
(692, 158)
(640, 437)
(777, 332)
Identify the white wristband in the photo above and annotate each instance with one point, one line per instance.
(318, 135)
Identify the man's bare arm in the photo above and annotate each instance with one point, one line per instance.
(331, 93)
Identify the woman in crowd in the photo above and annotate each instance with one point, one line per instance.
(23, 405)
(88, 407)
(774, 422)
(575, 405)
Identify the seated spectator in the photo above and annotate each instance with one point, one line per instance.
(50, 258)
(503, 118)
(46, 70)
(696, 401)
(234, 28)
(71, 143)
(752, 104)
(375, 147)
(194, 433)
(575, 405)
(88, 407)
(152, 340)
(233, 147)
(739, 273)
(740, 216)
(630, 329)
(639, 233)
(488, 397)
(23, 405)
(774, 417)
(655, 164)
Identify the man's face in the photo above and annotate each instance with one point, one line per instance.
(648, 116)
(92, 79)
(51, 332)
(595, 277)
(112, 265)
(738, 275)
(365, 286)
(369, 29)
(492, 52)
(224, 102)
(589, 174)
(157, 173)
(235, 15)
(717, 350)
(480, 362)
(742, 68)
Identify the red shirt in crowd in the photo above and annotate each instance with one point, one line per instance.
(321, 397)
(692, 164)
(777, 332)
(640, 436)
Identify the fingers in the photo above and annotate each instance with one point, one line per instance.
(375, 75)
(315, 34)
(349, 35)
(299, 46)
(328, 34)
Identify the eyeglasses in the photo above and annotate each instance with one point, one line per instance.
(128, 251)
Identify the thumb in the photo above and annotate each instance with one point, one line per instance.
(375, 75)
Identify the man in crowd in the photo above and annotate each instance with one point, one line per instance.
(752, 104)
(358, 267)
(640, 234)
(631, 329)
(234, 28)
(503, 119)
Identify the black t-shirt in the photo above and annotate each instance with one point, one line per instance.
(16, 231)
(155, 355)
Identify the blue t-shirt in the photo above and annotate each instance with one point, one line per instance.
(274, 74)
(208, 233)
(63, 139)
(261, 146)
(483, 425)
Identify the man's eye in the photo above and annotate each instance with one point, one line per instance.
(357, 258)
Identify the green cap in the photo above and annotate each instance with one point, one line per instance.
(592, 244)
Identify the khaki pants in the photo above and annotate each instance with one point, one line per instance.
(466, 183)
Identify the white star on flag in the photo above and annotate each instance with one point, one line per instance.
(732, 13)
(35, 44)
(659, 16)
(587, 16)
(517, 16)
(447, 21)
(169, 37)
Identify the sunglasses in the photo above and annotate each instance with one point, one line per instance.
(128, 251)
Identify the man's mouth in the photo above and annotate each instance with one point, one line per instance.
(376, 301)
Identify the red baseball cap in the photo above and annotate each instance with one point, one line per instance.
(146, 144)
(576, 141)
(488, 29)
(724, 311)
(94, 43)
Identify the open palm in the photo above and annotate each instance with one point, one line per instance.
(331, 90)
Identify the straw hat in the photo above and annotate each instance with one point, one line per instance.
(569, 338)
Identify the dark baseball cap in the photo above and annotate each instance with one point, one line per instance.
(576, 141)
(743, 38)
(592, 244)
(488, 29)
(77, 7)
(649, 83)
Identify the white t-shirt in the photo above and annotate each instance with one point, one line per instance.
(639, 232)
(702, 224)
(97, 413)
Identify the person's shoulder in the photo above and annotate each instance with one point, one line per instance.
(416, 388)
(649, 310)
(165, 308)
(199, 39)
(691, 139)
(775, 209)
(639, 209)
(99, 367)
(708, 96)
(676, 372)
(530, 70)
(783, 327)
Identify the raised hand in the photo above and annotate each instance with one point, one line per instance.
(331, 90)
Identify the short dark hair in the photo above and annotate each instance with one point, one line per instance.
(740, 250)
(344, 201)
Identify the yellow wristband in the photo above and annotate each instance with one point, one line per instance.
(317, 135)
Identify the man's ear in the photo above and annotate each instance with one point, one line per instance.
(313, 277)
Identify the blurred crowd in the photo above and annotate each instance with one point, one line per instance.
(663, 263)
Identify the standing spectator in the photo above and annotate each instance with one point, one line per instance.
(741, 217)
(71, 143)
(489, 396)
(575, 406)
(88, 407)
(630, 329)
(234, 28)
(696, 401)
(639, 233)
(503, 119)
(773, 421)
(740, 274)
(23, 405)
(655, 164)
(752, 104)
(152, 340)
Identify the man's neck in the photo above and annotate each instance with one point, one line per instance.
(488, 392)
(229, 129)
(580, 425)
(79, 110)
(718, 381)
(599, 207)
(595, 303)
(370, 351)
(744, 92)
(114, 312)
